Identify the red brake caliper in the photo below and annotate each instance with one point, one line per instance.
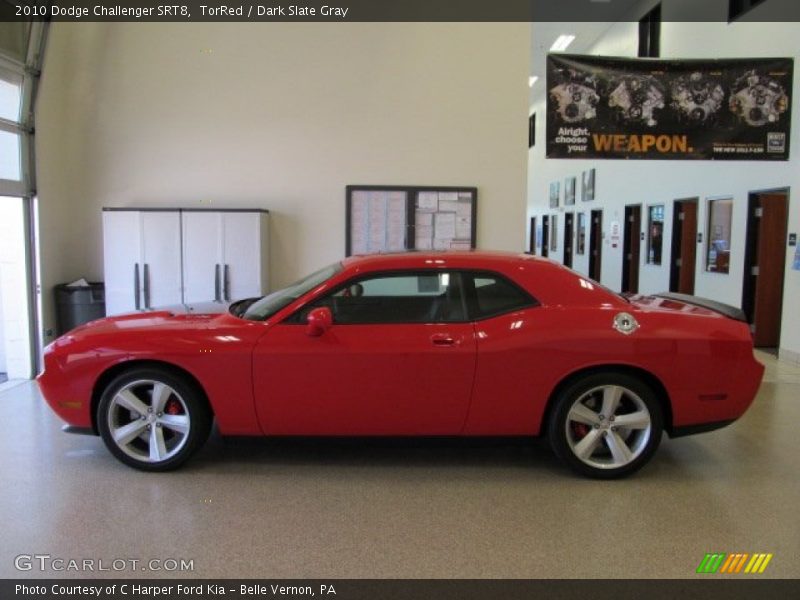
(580, 429)
(173, 407)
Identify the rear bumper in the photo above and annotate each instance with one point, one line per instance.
(715, 394)
(699, 428)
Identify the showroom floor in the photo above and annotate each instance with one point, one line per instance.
(430, 508)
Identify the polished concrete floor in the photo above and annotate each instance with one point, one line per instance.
(411, 509)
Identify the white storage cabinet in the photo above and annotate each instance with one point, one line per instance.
(156, 258)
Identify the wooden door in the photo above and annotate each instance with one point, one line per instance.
(631, 249)
(596, 245)
(684, 246)
(771, 216)
(569, 219)
(545, 235)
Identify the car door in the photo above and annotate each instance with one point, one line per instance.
(399, 359)
(516, 351)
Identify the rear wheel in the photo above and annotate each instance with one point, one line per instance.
(606, 425)
(153, 419)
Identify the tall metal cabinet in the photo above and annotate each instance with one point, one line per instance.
(142, 259)
(225, 255)
(156, 257)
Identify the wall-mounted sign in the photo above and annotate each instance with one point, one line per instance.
(615, 233)
(736, 109)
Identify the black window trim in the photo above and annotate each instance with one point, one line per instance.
(295, 319)
(468, 300)
(472, 300)
(650, 33)
(739, 8)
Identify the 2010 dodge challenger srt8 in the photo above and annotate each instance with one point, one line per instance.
(446, 344)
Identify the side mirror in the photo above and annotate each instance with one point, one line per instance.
(319, 321)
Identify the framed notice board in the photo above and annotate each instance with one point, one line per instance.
(386, 218)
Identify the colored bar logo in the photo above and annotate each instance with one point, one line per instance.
(742, 562)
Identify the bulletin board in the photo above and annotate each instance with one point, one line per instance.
(382, 219)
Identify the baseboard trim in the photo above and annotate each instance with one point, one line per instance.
(789, 356)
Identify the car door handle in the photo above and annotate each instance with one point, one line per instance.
(443, 339)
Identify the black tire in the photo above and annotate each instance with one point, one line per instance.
(578, 434)
(129, 406)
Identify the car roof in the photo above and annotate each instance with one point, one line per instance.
(548, 281)
(475, 259)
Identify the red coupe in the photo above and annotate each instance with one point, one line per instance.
(433, 344)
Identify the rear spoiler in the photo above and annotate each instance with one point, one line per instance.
(737, 314)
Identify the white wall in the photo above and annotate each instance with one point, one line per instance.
(620, 182)
(277, 116)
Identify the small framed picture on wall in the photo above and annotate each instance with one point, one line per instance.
(555, 192)
(569, 191)
(587, 185)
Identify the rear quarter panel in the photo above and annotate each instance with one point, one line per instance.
(704, 362)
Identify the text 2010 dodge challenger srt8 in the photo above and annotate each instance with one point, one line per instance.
(450, 343)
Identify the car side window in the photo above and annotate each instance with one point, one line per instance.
(421, 297)
(494, 295)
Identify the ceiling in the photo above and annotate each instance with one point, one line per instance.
(586, 33)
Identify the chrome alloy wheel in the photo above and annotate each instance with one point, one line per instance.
(148, 420)
(608, 427)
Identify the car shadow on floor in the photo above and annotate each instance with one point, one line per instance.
(243, 453)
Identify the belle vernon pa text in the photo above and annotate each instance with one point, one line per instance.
(207, 590)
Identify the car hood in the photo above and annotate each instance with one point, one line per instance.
(179, 316)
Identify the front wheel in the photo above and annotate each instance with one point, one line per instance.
(152, 419)
(606, 425)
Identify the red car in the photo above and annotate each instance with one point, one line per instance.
(433, 344)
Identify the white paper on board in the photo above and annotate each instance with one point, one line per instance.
(428, 201)
(444, 226)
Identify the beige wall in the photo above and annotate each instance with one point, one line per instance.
(278, 116)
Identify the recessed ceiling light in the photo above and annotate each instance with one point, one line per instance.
(562, 43)
(531, 80)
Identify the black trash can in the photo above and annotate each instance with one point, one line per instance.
(76, 305)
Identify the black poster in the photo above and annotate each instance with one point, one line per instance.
(737, 109)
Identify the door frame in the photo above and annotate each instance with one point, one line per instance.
(751, 240)
(30, 213)
(545, 236)
(595, 262)
(627, 245)
(569, 239)
(676, 239)
(32, 285)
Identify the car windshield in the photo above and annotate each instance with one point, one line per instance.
(265, 307)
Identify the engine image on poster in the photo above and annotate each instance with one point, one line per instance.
(737, 109)
(575, 97)
(697, 98)
(758, 100)
(637, 99)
